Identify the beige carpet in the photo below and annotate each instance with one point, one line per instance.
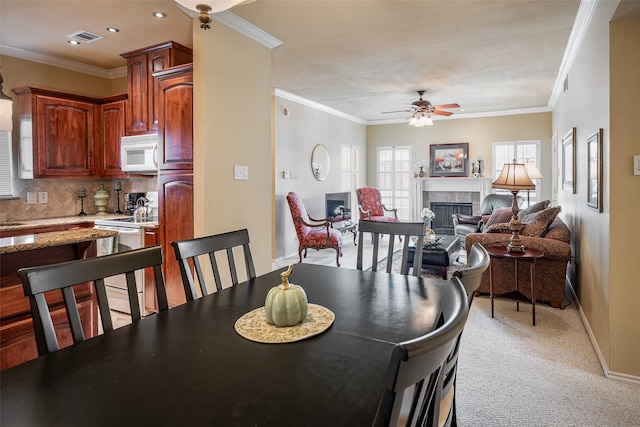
(511, 373)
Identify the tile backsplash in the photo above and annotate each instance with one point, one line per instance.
(63, 197)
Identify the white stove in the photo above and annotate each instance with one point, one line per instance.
(130, 236)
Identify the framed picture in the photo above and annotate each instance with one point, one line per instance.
(449, 159)
(569, 161)
(594, 171)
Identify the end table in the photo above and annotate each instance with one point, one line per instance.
(529, 256)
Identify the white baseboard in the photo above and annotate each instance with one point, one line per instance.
(605, 367)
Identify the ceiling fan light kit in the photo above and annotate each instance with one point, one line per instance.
(422, 109)
(213, 6)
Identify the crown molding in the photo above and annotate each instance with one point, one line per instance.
(238, 24)
(315, 105)
(63, 63)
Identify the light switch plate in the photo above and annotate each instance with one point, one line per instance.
(32, 198)
(636, 165)
(240, 173)
(286, 174)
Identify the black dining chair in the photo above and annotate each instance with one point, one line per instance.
(188, 252)
(36, 281)
(393, 229)
(478, 261)
(420, 376)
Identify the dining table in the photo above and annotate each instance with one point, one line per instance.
(190, 366)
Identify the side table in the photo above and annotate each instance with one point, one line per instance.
(529, 256)
(344, 226)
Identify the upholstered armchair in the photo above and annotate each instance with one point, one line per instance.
(313, 233)
(371, 207)
(467, 224)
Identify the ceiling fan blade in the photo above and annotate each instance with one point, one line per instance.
(446, 106)
(398, 111)
(441, 113)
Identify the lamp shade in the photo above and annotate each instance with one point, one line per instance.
(532, 170)
(215, 5)
(514, 177)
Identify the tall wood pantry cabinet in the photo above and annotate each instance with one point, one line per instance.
(142, 112)
(175, 174)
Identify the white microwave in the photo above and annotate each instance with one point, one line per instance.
(139, 154)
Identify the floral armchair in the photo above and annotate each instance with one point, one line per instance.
(371, 207)
(313, 233)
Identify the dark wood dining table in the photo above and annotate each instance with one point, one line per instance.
(188, 366)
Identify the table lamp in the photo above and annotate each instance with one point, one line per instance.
(514, 178)
(533, 172)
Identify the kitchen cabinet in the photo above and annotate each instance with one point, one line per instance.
(112, 113)
(57, 134)
(175, 107)
(142, 112)
(175, 175)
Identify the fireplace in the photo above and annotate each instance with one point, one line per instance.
(451, 191)
(443, 222)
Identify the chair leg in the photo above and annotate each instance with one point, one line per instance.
(338, 254)
(300, 255)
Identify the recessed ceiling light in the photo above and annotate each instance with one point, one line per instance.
(112, 29)
(73, 42)
(159, 14)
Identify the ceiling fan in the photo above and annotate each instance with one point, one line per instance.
(424, 107)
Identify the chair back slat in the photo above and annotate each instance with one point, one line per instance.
(187, 253)
(36, 281)
(404, 230)
(417, 369)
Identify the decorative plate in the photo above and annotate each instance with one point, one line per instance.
(254, 327)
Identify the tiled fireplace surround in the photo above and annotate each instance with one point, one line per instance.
(449, 190)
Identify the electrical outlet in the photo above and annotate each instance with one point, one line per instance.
(43, 197)
(240, 173)
(286, 174)
(32, 198)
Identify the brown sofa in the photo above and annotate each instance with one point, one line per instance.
(551, 269)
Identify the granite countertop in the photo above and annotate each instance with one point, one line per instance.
(56, 238)
(47, 222)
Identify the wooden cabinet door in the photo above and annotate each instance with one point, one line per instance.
(112, 128)
(137, 83)
(175, 215)
(175, 112)
(157, 61)
(64, 143)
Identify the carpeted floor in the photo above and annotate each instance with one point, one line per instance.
(511, 373)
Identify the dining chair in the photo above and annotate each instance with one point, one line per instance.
(36, 281)
(420, 376)
(478, 261)
(393, 229)
(313, 233)
(188, 254)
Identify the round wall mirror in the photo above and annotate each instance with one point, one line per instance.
(320, 162)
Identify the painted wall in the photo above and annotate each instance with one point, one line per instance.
(232, 126)
(624, 196)
(295, 137)
(480, 133)
(603, 92)
(20, 72)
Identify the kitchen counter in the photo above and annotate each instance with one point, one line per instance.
(48, 222)
(57, 238)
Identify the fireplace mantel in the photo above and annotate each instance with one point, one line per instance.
(471, 185)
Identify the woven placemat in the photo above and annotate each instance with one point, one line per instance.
(253, 326)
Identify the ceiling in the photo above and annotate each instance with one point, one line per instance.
(359, 57)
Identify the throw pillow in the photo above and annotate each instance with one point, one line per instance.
(536, 224)
(501, 227)
(534, 208)
(499, 215)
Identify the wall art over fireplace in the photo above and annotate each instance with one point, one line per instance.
(449, 160)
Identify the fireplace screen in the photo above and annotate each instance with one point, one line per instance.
(443, 222)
